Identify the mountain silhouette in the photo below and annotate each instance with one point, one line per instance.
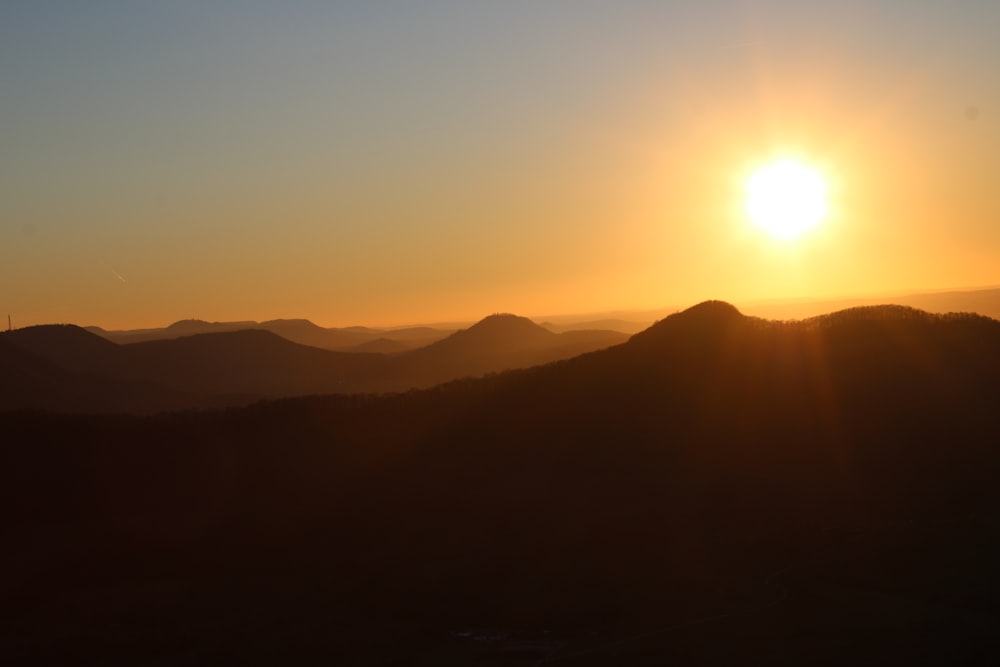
(29, 381)
(299, 331)
(65, 344)
(192, 327)
(694, 328)
(256, 363)
(501, 328)
(715, 487)
(984, 301)
(496, 343)
(251, 362)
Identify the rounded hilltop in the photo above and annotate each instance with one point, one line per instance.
(694, 328)
(502, 327)
(713, 309)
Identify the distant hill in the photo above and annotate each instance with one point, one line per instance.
(193, 327)
(28, 381)
(299, 331)
(717, 486)
(981, 301)
(67, 345)
(501, 333)
(250, 362)
(496, 343)
(256, 363)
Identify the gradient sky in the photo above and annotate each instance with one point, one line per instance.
(390, 162)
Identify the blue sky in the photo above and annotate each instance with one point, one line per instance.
(402, 161)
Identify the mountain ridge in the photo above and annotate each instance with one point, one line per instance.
(261, 363)
(816, 473)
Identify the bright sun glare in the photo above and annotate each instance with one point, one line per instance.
(786, 199)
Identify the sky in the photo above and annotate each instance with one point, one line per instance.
(393, 162)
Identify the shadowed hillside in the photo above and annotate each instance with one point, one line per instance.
(719, 486)
(379, 346)
(29, 381)
(250, 362)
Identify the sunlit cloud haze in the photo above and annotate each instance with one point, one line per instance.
(395, 162)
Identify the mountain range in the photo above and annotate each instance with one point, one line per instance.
(233, 367)
(717, 489)
(296, 330)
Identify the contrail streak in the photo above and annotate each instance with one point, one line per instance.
(112, 269)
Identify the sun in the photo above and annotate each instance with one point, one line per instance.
(786, 199)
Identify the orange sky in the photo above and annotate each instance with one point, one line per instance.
(441, 162)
